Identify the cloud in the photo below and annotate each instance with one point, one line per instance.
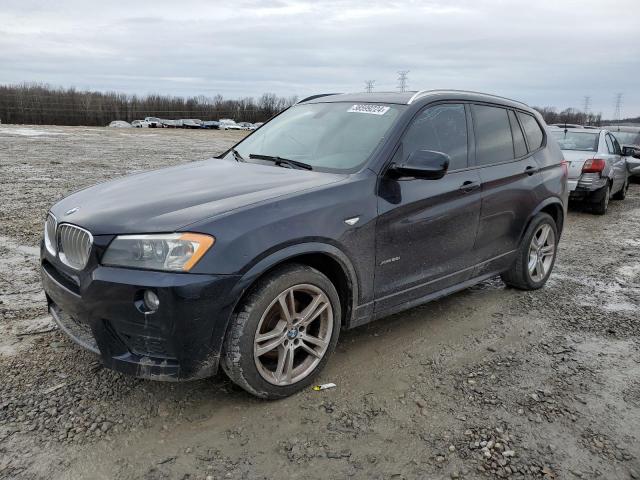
(543, 52)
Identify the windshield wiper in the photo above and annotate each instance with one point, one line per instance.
(282, 161)
(237, 156)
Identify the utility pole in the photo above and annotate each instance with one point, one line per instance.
(402, 80)
(586, 108)
(368, 85)
(617, 112)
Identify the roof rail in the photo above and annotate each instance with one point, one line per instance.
(422, 93)
(313, 97)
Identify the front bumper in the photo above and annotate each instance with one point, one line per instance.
(100, 310)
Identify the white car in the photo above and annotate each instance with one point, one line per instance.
(228, 124)
(120, 124)
(154, 122)
(140, 124)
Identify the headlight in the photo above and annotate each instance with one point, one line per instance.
(175, 252)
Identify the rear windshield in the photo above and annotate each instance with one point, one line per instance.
(572, 140)
(627, 138)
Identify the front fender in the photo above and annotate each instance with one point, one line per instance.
(273, 259)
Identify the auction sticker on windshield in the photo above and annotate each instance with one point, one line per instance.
(371, 109)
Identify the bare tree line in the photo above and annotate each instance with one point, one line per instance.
(569, 115)
(41, 104)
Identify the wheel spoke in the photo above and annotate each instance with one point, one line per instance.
(283, 352)
(288, 368)
(540, 267)
(287, 305)
(314, 310)
(314, 340)
(547, 250)
(544, 234)
(277, 331)
(310, 350)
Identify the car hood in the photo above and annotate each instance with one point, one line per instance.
(169, 199)
(576, 159)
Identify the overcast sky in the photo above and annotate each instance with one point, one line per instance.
(541, 52)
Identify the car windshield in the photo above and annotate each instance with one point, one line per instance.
(335, 137)
(627, 138)
(573, 140)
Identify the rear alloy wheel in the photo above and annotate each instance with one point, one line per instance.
(600, 207)
(283, 333)
(536, 256)
(542, 251)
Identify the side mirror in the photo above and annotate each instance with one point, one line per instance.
(630, 152)
(427, 164)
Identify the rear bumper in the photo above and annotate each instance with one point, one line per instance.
(588, 187)
(101, 312)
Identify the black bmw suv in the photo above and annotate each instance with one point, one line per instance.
(338, 211)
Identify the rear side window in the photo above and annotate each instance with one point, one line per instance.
(494, 143)
(519, 147)
(609, 144)
(442, 128)
(616, 146)
(532, 130)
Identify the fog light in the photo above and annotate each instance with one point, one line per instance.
(151, 300)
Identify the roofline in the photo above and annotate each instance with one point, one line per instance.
(422, 93)
(313, 97)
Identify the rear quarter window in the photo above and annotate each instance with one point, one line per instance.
(532, 130)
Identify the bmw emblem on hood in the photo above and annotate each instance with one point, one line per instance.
(72, 211)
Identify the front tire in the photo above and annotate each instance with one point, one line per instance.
(536, 255)
(283, 332)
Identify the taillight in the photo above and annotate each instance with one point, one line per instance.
(594, 165)
(565, 168)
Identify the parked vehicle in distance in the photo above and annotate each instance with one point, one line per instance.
(340, 210)
(567, 125)
(120, 124)
(191, 123)
(247, 126)
(140, 124)
(211, 124)
(228, 124)
(168, 123)
(629, 138)
(154, 122)
(258, 124)
(597, 168)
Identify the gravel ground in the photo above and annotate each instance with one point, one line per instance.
(487, 383)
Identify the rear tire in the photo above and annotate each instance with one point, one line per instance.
(283, 333)
(622, 193)
(600, 208)
(536, 255)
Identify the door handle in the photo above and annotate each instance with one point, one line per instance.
(469, 186)
(530, 170)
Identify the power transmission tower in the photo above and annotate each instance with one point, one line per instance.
(586, 108)
(402, 80)
(617, 112)
(368, 85)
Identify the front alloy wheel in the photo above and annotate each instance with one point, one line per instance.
(283, 332)
(293, 334)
